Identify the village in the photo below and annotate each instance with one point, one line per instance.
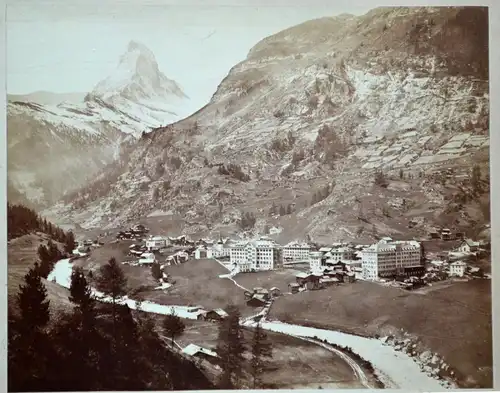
(400, 263)
(206, 274)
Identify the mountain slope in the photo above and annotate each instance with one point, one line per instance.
(57, 148)
(47, 97)
(348, 122)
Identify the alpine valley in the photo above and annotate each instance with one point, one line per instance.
(345, 127)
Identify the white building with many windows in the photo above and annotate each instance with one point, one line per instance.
(254, 255)
(296, 251)
(315, 258)
(340, 254)
(154, 243)
(458, 268)
(387, 258)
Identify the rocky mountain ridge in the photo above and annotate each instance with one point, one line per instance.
(57, 148)
(347, 122)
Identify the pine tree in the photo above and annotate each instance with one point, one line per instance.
(156, 271)
(32, 300)
(282, 210)
(29, 345)
(81, 293)
(261, 350)
(289, 209)
(128, 367)
(173, 326)
(274, 209)
(230, 349)
(476, 179)
(78, 338)
(112, 282)
(70, 243)
(53, 250)
(45, 261)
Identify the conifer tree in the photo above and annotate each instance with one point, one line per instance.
(32, 300)
(70, 243)
(81, 293)
(29, 342)
(261, 352)
(476, 179)
(112, 282)
(230, 348)
(156, 271)
(173, 326)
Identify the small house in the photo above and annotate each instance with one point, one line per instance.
(434, 235)
(468, 246)
(262, 291)
(200, 253)
(201, 314)
(458, 268)
(275, 292)
(248, 295)
(349, 277)
(301, 278)
(155, 243)
(446, 234)
(216, 315)
(148, 258)
(294, 287)
(328, 281)
(313, 282)
(257, 300)
(337, 266)
(200, 353)
(139, 228)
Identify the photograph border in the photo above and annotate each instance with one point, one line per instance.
(494, 83)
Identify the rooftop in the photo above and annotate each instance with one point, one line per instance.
(193, 349)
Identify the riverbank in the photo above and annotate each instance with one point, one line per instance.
(394, 369)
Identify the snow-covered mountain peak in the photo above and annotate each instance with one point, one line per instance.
(138, 77)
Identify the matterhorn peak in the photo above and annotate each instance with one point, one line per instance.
(135, 45)
(137, 77)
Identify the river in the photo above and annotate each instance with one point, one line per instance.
(395, 369)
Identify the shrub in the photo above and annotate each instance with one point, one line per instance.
(298, 156)
(380, 179)
(234, 171)
(247, 221)
(176, 162)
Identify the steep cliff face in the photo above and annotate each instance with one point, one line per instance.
(346, 122)
(57, 148)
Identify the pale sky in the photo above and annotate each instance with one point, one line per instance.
(69, 46)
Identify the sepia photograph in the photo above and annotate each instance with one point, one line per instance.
(245, 195)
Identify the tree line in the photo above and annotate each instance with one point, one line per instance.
(282, 210)
(22, 220)
(48, 256)
(92, 346)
